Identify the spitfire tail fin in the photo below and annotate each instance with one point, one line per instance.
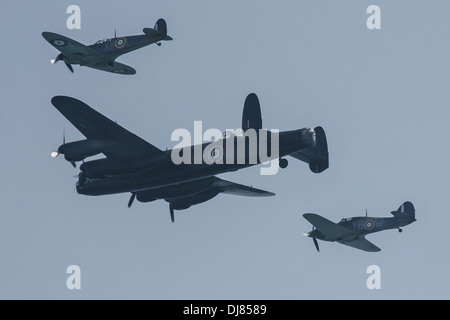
(161, 26)
(405, 210)
(160, 29)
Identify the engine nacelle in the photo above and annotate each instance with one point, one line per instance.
(105, 167)
(80, 150)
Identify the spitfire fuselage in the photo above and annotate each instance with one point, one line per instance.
(117, 46)
(110, 49)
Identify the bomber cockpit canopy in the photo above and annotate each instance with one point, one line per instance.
(232, 133)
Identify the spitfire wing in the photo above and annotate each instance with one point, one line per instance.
(329, 229)
(239, 189)
(72, 49)
(362, 243)
(116, 67)
(96, 126)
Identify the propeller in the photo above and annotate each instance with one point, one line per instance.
(54, 154)
(315, 241)
(316, 244)
(69, 66)
(130, 202)
(59, 58)
(172, 214)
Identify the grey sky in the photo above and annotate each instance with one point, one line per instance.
(382, 97)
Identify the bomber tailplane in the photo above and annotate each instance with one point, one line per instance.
(317, 156)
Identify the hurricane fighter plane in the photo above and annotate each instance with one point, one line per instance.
(102, 54)
(352, 231)
(133, 165)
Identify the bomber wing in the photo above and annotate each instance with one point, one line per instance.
(239, 189)
(332, 231)
(96, 126)
(72, 49)
(361, 243)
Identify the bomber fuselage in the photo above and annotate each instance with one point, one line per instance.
(163, 172)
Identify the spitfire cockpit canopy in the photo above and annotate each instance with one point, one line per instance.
(102, 41)
(345, 219)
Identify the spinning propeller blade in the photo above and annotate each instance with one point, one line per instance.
(316, 244)
(70, 67)
(172, 214)
(315, 240)
(130, 202)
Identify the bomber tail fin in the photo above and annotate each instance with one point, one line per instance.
(251, 115)
(159, 30)
(405, 210)
(317, 156)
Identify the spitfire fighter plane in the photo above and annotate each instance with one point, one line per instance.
(149, 173)
(352, 231)
(103, 53)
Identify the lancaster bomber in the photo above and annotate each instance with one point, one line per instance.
(102, 54)
(352, 231)
(149, 173)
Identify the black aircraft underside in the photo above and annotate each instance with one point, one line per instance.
(148, 173)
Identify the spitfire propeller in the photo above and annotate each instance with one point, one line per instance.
(316, 244)
(61, 57)
(315, 241)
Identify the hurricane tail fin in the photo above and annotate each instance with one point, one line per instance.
(406, 209)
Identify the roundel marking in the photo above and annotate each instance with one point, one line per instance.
(369, 224)
(120, 43)
(59, 42)
(215, 153)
